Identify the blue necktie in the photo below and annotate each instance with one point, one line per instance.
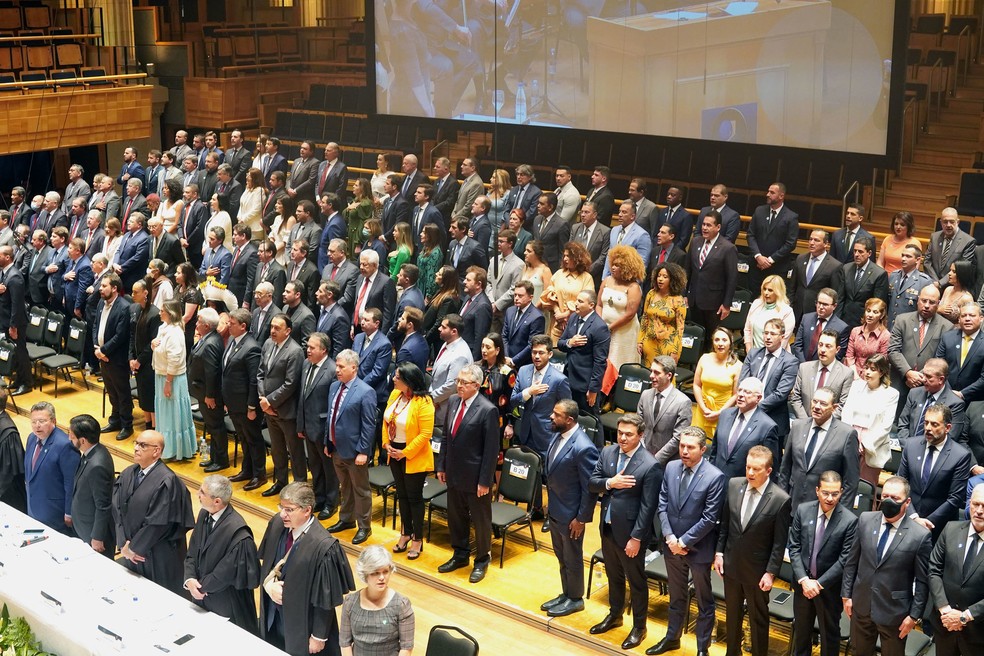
(928, 465)
(618, 470)
(883, 541)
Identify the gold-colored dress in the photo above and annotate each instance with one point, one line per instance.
(562, 292)
(716, 389)
(661, 329)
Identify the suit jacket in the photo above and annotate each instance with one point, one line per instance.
(468, 458)
(270, 164)
(837, 452)
(472, 254)
(95, 241)
(220, 258)
(586, 365)
(852, 295)
(335, 228)
(759, 429)
(968, 378)
(682, 222)
(395, 210)
(419, 219)
(503, 275)
(713, 284)
(242, 272)
(597, 246)
(568, 475)
(554, 235)
(940, 497)
(662, 436)
(110, 202)
(270, 205)
(631, 510)
(481, 228)
(302, 323)
(411, 297)
(13, 303)
(127, 208)
(839, 379)
(239, 374)
(348, 273)
(444, 197)
(838, 244)
(312, 401)
(646, 213)
(675, 255)
(168, 250)
(336, 324)
(414, 349)
(307, 275)
(303, 178)
(382, 295)
(889, 589)
(804, 294)
(25, 212)
(48, 221)
(37, 277)
(204, 362)
(777, 386)
(804, 336)
(470, 189)
(530, 198)
(133, 257)
(904, 351)
(443, 374)
(693, 518)
(374, 362)
(516, 334)
(838, 537)
(92, 494)
(776, 240)
(912, 413)
(355, 420)
(235, 192)
(604, 203)
(279, 378)
(240, 160)
(56, 280)
(730, 222)
(335, 183)
(116, 336)
(409, 187)
(962, 247)
(759, 546)
(568, 202)
(51, 479)
(535, 428)
(902, 297)
(74, 290)
(275, 274)
(193, 220)
(949, 587)
(635, 237)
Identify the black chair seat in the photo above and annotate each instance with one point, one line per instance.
(381, 480)
(433, 488)
(57, 361)
(507, 514)
(35, 352)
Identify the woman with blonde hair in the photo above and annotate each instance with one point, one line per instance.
(663, 314)
(566, 283)
(871, 337)
(618, 303)
(251, 204)
(870, 408)
(404, 248)
(359, 210)
(172, 403)
(716, 380)
(498, 189)
(772, 303)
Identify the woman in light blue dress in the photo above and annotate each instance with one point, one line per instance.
(172, 403)
(498, 189)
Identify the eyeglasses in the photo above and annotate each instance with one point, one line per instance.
(830, 495)
(288, 509)
(144, 445)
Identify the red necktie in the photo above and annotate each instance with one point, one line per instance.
(440, 353)
(126, 214)
(290, 541)
(358, 304)
(465, 309)
(457, 420)
(816, 336)
(269, 199)
(334, 272)
(235, 257)
(662, 256)
(823, 377)
(37, 454)
(922, 332)
(324, 178)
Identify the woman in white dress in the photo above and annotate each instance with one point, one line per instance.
(618, 303)
(171, 205)
(870, 408)
(220, 217)
(772, 303)
(281, 226)
(251, 204)
(259, 152)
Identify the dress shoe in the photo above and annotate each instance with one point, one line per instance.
(610, 622)
(240, 477)
(546, 526)
(273, 490)
(538, 515)
(214, 467)
(556, 601)
(634, 639)
(124, 434)
(415, 552)
(254, 484)
(568, 607)
(326, 513)
(109, 428)
(19, 390)
(663, 646)
(453, 564)
(478, 572)
(340, 526)
(204, 463)
(361, 535)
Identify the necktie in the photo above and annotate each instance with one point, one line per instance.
(457, 419)
(416, 221)
(141, 475)
(334, 272)
(323, 321)
(537, 377)
(358, 304)
(465, 309)
(618, 242)
(922, 332)
(772, 217)
(817, 541)
(263, 272)
(289, 542)
(928, 465)
(519, 198)
(901, 284)
(703, 252)
(440, 353)
(580, 324)
(324, 178)
(920, 428)
(619, 466)
(857, 277)
(295, 270)
(662, 255)
(884, 540)
(823, 377)
(946, 251)
(685, 481)
(763, 372)
(209, 527)
(848, 242)
(812, 446)
(235, 256)
(735, 432)
(810, 269)
(656, 406)
(556, 447)
(126, 214)
(967, 342)
(334, 409)
(815, 338)
(749, 507)
(406, 184)
(972, 548)
(37, 454)
(310, 377)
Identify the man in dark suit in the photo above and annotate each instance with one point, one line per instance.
(465, 252)
(525, 194)
(304, 173)
(859, 281)
(206, 387)
(332, 320)
(240, 368)
(51, 215)
(948, 245)
(479, 226)
(130, 262)
(111, 340)
(217, 258)
(842, 243)
(396, 207)
(595, 237)
(375, 357)
(335, 227)
(164, 246)
(424, 212)
(208, 177)
(242, 270)
(552, 230)
(665, 249)
(935, 389)
(134, 201)
(772, 235)
(92, 487)
(777, 369)
(444, 193)
(600, 195)
(676, 215)
(350, 427)
(819, 444)
(814, 324)
(571, 458)
(317, 375)
(36, 273)
(373, 289)
(94, 234)
(333, 174)
(295, 307)
(905, 284)
(20, 207)
(56, 269)
(956, 583)
(77, 278)
(740, 428)
(13, 318)
(237, 157)
(627, 478)
(750, 549)
(277, 385)
(277, 192)
(586, 341)
(812, 272)
(914, 340)
(963, 351)
(414, 346)
(50, 462)
(730, 219)
(712, 273)
(820, 539)
(476, 310)
(825, 371)
(267, 270)
(937, 469)
(411, 178)
(412, 297)
(522, 322)
(264, 309)
(690, 503)
(191, 229)
(884, 589)
(466, 464)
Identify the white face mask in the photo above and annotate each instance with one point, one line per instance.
(35, 206)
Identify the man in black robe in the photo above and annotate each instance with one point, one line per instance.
(222, 569)
(12, 490)
(305, 577)
(152, 511)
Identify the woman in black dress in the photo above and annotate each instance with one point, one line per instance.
(145, 321)
(187, 290)
(497, 382)
(446, 300)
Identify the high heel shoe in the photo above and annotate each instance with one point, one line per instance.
(414, 554)
(400, 548)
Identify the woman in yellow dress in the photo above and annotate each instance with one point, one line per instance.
(716, 381)
(663, 314)
(570, 280)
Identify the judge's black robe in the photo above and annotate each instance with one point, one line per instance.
(226, 565)
(154, 519)
(12, 490)
(316, 579)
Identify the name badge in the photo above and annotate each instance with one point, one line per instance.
(436, 445)
(735, 307)
(633, 385)
(687, 341)
(743, 267)
(518, 469)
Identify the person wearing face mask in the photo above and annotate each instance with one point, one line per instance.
(884, 590)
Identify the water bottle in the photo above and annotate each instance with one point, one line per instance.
(521, 103)
(204, 452)
(552, 63)
(535, 95)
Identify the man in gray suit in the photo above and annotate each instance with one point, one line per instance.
(667, 416)
(343, 271)
(885, 585)
(504, 272)
(819, 444)
(304, 174)
(470, 189)
(278, 382)
(92, 491)
(825, 371)
(645, 209)
(451, 358)
(947, 246)
(317, 375)
(914, 339)
(595, 237)
(935, 389)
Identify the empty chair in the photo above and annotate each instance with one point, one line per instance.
(37, 17)
(11, 58)
(72, 358)
(450, 641)
(69, 55)
(38, 56)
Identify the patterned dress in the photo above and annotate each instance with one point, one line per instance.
(661, 329)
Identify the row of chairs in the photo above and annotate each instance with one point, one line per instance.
(254, 49)
(35, 56)
(31, 17)
(55, 80)
(55, 345)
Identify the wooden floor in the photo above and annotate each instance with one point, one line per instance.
(500, 611)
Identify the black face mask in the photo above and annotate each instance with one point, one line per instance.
(891, 508)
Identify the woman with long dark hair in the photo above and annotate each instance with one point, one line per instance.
(447, 300)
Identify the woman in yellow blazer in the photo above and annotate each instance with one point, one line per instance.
(408, 425)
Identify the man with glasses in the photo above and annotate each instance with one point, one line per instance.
(814, 323)
(776, 368)
(948, 245)
(49, 470)
(152, 511)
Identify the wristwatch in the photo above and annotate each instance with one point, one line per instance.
(963, 618)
